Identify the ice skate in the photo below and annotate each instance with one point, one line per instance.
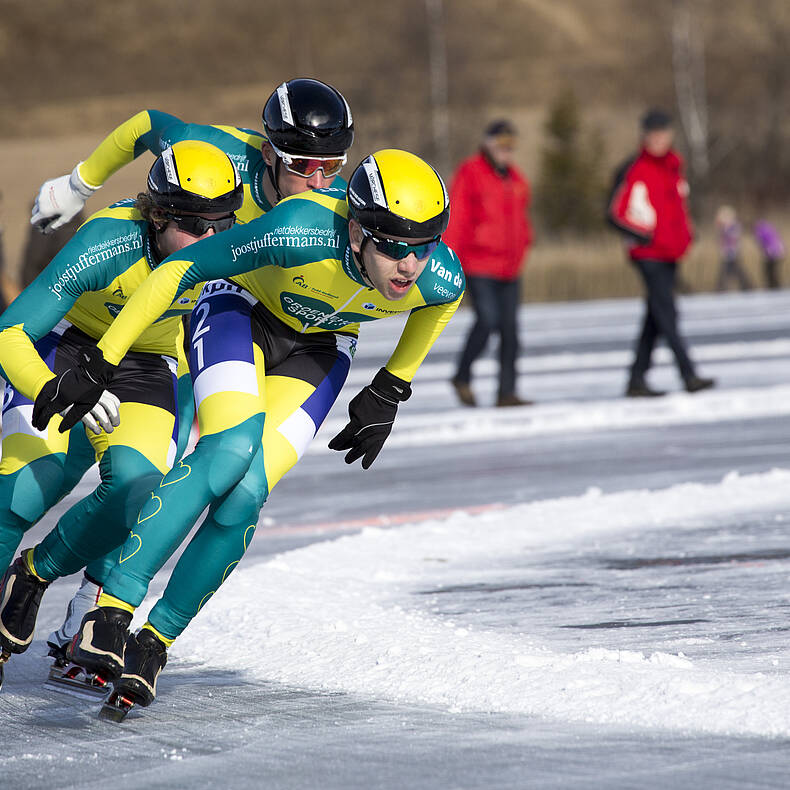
(145, 658)
(84, 601)
(20, 597)
(69, 678)
(99, 645)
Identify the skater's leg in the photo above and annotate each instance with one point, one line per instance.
(299, 394)
(132, 461)
(31, 472)
(186, 406)
(228, 371)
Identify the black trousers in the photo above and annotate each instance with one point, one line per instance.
(732, 269)
(771, 269)
(660, 319)
(495, 304)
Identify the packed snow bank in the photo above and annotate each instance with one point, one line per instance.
(342, 616)
(457, 426)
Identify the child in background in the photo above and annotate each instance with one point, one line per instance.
(729, 230)
(773, 249)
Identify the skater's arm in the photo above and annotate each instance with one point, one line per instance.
(39, 308)
(422, 329)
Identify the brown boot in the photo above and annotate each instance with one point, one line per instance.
(464, 392)
(512, 400)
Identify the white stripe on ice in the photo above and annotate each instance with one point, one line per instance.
(342, 616)
(454, 426)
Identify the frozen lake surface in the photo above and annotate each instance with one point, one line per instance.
(589, 592)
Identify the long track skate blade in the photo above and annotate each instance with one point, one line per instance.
(115, 708)
(73, 680)
(77, 688)
(4, 656)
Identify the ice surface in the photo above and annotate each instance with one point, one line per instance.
(589, 593)
(342, 616)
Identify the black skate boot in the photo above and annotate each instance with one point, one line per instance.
(146, 656)
(99, 645)
(20, 597)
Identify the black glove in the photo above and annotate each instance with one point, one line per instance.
(80, 387)
(371, 413)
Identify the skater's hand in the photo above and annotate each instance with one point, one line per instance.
(60, 200)
(104, 415)
(371, 413)
(76, 390)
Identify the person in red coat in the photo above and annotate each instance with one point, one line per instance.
(648, 205)
(490, 232)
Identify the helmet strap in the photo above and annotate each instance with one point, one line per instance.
(156, 252)
(358, 258)
(274, 175)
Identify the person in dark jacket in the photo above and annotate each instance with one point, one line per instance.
(40, 249)
(648, 205)
(490, 232)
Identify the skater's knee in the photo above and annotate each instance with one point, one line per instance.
(243, 504)
(127, 478)
(32, 490)
(229, 454)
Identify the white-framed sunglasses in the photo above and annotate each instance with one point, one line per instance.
(306, 166)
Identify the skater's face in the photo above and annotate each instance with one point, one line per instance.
(291, 183)
(177, 235)
(392, 277)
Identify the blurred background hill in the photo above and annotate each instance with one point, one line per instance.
(426, 75)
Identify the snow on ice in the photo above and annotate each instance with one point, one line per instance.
(345, 616)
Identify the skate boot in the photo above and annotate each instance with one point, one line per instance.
(99, 645)
(20, 597)
(84, 601)
(146, 656)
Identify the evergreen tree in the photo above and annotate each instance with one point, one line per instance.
(570, 193)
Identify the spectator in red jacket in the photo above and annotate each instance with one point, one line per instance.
(490, 232)
(648, 205)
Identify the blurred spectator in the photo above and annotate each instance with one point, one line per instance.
(729, 232)
(4, 298)
(648, 205)
(773, 250)
(40, 249)
(490, 232)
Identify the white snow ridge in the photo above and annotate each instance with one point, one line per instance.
(343, 616)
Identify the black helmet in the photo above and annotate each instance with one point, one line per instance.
(195, 177)
(308, 118)
(398, 194)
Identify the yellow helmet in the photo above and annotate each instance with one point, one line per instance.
(396, 193)
(195, 177)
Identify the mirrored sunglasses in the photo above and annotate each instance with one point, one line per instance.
(401, 249)
(198, 226)
(306, 166)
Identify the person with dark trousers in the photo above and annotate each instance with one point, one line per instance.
(767, 237)
(648, 205)
(729, 232)
(490, 232)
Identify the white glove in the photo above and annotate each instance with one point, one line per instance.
(59, 200)
(105, 414)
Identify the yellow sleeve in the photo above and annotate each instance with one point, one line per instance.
(22, 365)
(146, 304)
(423, 326)
(115, 151)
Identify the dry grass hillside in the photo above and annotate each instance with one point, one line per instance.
(74, 70)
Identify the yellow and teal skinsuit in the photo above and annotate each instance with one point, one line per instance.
(69, 305)
(153, 130)
(271, 343)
